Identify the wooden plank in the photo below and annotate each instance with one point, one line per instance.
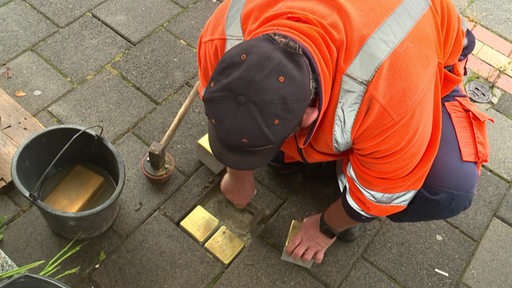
(76, 190)
(7, 150)
(15, 122)
(16, 125)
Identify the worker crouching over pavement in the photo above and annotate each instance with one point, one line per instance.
(373, 85)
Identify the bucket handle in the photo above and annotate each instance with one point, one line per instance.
(36, 197)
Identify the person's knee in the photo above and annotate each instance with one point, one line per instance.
(461, 201)
(432, 203)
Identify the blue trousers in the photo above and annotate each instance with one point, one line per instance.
(451, 183)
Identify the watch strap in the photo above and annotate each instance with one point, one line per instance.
(327, 230)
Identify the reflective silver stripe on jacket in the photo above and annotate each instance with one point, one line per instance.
(353, 87)
(402, 198)
(376, 49)
(234, 33)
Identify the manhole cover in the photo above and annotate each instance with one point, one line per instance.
(478, 91)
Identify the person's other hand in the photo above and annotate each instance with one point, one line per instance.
(238, 187)
(309, 243)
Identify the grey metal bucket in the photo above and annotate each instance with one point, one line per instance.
(53, 149)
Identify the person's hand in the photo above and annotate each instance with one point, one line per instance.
(238, 187)
(309, 243)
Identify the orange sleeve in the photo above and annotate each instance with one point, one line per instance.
(211, 44)
(452, 35)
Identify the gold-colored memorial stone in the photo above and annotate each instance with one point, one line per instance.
(205, 155)
(224, 245)
(294, 228)
(199, 223)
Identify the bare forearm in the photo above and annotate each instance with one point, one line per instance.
(336, 217)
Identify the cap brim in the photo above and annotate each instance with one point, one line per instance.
(240, 159)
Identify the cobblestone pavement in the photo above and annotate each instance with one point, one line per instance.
(129, 64)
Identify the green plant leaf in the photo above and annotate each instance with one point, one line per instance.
(51, 267)
(65, 253)
(3, 221)
(102, 256)
(70, 271)
(20, 270)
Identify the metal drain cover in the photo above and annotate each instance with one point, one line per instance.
(478, 91)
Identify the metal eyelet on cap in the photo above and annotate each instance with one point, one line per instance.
(243, 57)
(281, 79)
(276, 121)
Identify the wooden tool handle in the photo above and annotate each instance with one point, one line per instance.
(179, 117)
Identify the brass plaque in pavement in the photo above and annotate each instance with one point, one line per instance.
(199, 223)
(224, 245)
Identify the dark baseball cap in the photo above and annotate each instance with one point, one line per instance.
(255, 99)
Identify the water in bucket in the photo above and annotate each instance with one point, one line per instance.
(102, 193)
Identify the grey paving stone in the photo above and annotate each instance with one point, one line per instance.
(410, 253)
(183, 144)
(504, 105)
(8, 208)
(480, 11)
(284, 185)
(189, 24)
(265, 200)
(490, 192)
(500, 140)
(135, 19)
(82, 48)
(259, 265)
(22, 27)
(364, 275)
(29, 239)
(63, 12)
(38, 80)
(104, 100)
(88, 257)
(159, 65)
(185, 199)
(186, 3)
(18, 198)
(140, 198)
(505, 210)
(490, 265)
(158, 254)
(313, 197)
(46, 119)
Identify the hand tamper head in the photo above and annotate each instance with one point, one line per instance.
(157, 165)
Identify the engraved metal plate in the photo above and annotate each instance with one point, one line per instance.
(224, 245)
(199, 223)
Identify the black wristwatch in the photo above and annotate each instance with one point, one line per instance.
(327, 230)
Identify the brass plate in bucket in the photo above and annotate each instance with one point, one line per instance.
(224, 245)
(199, 223)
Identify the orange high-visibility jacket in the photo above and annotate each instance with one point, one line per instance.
(388, 136)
